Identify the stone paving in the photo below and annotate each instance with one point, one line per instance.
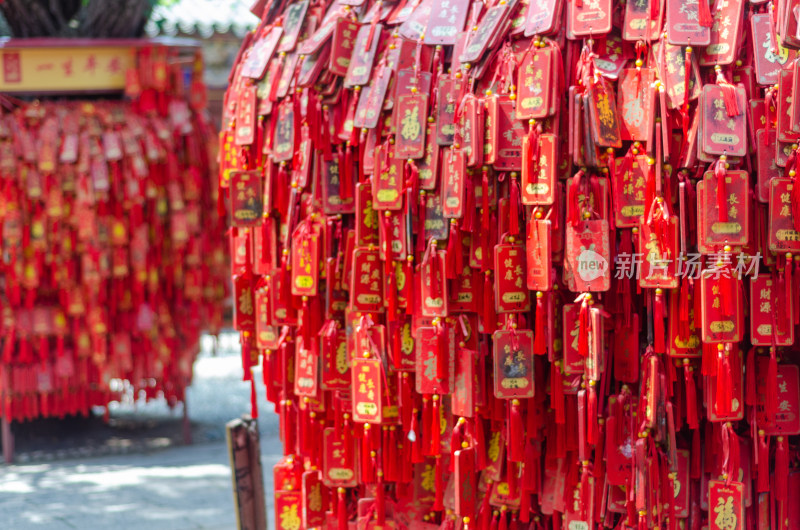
(129, 478)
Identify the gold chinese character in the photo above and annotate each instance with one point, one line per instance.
(290, 519)
(246, 302)
(604, 112)
(493, 451)
(726, 518)
(410, 124)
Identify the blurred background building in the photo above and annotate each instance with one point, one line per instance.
(218, 24)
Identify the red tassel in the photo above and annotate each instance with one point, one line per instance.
(795, 198)
(654, 7)
(391, 300)
(346, 186)
(427, 432)
(598, 470)
(486, 221)
(583, 330)
(435, 425)
(408, 271)
(411, 177)
(704, 15)
(513, 225)
(788, 268)
(283, 419)
(762, 470)
(781, 469)
(495, 519)
(290, 429)
(557, 392)
(771, 405)
(442, 356)
(512, 479)
(730, 452)
(304, 427)
(489, 315)
(281, 190)
(438, 501)
(516, 432)
(455, 441)
(540, 337)
(247, 374)
(532, 139)
(468, 221)
(503, 521)
(658, 316)
(731, 102)
(687, 75)
(253, 398)
(430, 260)
(524, 508)
(414, 436)
(485, 214)
(407, 411)
(44, 349)
(222, 212)
(391, 448)
(720, 174)
(484, 514)
(642, 524)
(25, 354)
(367, 460)
(347, 436)
(723, 394)
(306, 324)
(584, 490)
(709, 363)
(591, 413)
(580, 412)
(380, 505)
(455, 252)
(8, 346)
(691, 395)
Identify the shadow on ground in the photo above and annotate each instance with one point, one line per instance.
(134, 471)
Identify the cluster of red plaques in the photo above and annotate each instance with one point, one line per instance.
(522, 264)
(113, 259)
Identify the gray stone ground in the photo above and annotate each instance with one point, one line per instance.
(134, 473)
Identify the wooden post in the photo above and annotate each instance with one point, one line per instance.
(248, 478)
(8, 441)
(187, 424)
